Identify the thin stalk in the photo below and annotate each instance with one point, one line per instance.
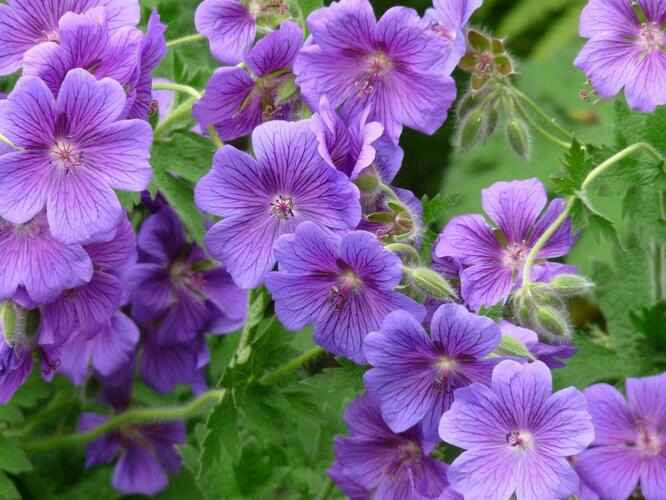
(544, 116)
(9, 143)
(531, 257)
(185, 39)
(541, 131)
(291, 365)
(178, 114)
(129, 417)
(177, 87)
(621, 155)
(214, 136)
(402, 247)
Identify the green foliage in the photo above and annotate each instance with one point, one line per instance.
(12, 461)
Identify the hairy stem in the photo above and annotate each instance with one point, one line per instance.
(540, 112)
(292, 365)
(214, 136)
(177, 87)
(179, 113)
(531, 257)
(407, 249)
(185, 39)
(129, 417)
(541, 131)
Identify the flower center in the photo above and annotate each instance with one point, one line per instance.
(515, 255)
(648, 441)
(181, 274)
(522, 440)
(338, 295)
(50, 36)
(445, 366)
(409, 454)
(378, 65)
(66, 155)
(282, 207)
(650, 36)
(267, 8)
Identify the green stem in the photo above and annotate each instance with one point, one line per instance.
(185, 39)
(177, 87)
(129, 417)
(214, 136)
(531, 257)
(179, 113)
(291, 365)
(9, 143)
(541, 131)
(621, 155)
(540, 112)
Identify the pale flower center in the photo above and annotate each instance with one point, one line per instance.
(30, 229)
(445, 367)
(378, 65)
(181, 274)
(442, 30)
(409, 454)
(648, 441)
(282, 207)
(66, 155)
(650, 36)
(338, 295)
(515, 255)
(522, 440)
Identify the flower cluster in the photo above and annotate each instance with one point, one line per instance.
(459, 345)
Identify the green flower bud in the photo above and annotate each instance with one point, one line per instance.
(509, 346)
(570, 285)
(552, 322)
(518, 137)
(473, 130)
(8, 321)
(492, 119)
(430, 283)
(367, 183)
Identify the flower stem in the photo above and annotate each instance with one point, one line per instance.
(129, 417)
(531, 257)
(9, 143)
(407, 249)
(541, 131)
(214, 136)
(177, 87)
(291, 365)
(621, 155)
(540, 112)
(178, 114)
(185, 39)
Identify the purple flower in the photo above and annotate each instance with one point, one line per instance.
(261, 199)
(448, 19)
(517, 435)
(231, 25)
(494, 262)
(15, 367)
(377, 460)
(551, 355)
(175, 283)
(629, 443)
(86, 42)
(75, 153)
(344, 285)
(153, 50)
(27, 23)
(147, 453)
(32, 260)
(87, 309)
(345, 146)
(625, 50)
(394, 66)
(107, 351)
(163, 366)
(415, 374)
(238, 99)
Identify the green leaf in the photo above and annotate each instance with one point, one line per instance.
(438, 207)
(12, 458)
(592, 363)
(650, 322)
(577, 164)
(7, 489)
(180, 195)
(128, 200)
(496, 312)
(509, 346)
(186, 154)
(307, 6)
(222, 432)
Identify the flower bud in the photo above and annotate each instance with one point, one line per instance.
(570, 285)
(8, 321)
(19, 324)
(430, 283)
(518, 137)
(552, 322)
(509, 346)
(367, 183)
(473, 130)
(492, 118)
